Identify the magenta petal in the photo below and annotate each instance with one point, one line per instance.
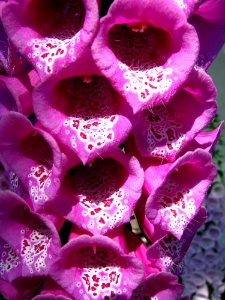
(15, 93)
(21, 288)
(29, 244)
(175, 202)
(51, 43)
(163, 131)
(168, 252)
(52, 291)
(96, 268)
(162, 286)
(145, 50)
(209, 22)
(103, 194)
(84, 113)
(188, 6)
(205, 140)
(32, 156)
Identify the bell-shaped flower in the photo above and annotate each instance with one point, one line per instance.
(164, 130)
(51, 35)
(161, 286)
(179, 192)
(29, 244)
(30, 155)
(209, 22)
(83, 112)
(103, 193)
(15, 93)
(146, 50)
(167, 253)
(96, 268)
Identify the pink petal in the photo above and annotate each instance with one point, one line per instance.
(51, 44)
(168, 252)
(103, 193)
(145, 50)
(32, 156)
(162, 286)
(95, 267)
(177, 199)
(83, 112)
(163, 131)
(29, 244)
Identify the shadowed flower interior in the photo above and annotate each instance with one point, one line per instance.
(35, 147)
(55, 18)
(140, 46)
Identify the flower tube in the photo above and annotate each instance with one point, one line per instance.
(52, 34)
(146, 50)
(103, 193)
(177, 199)
(82, 111)
(96, 267)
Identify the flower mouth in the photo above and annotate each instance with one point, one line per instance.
(97, 182)
(140, 46)
(55, 18)
(35, 147)
(87, 97)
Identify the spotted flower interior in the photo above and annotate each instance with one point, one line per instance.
(105, 159)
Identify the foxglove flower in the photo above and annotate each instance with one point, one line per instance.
(83, 112)
(28, 243)
(103, 193)
(146, 50)
(32, 156)
(50, 43)
(176, 200)
(163, 131)
(95, 267)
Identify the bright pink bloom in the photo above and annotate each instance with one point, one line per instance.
(96, 267)
(103, 194)
(163, 131)
(50, 35)
(146, 50)
(179, 191)
(29, 244)
(83, 112)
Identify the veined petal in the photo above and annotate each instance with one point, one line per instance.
(29, 244)
(177, 199)
(83, 112)
(146, 50)
(32, 155)
(163, 131)
(95, 267)
(168, 252)
(52, 35)
(103, 193)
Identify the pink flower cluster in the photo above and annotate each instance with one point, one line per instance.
(102, 118)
